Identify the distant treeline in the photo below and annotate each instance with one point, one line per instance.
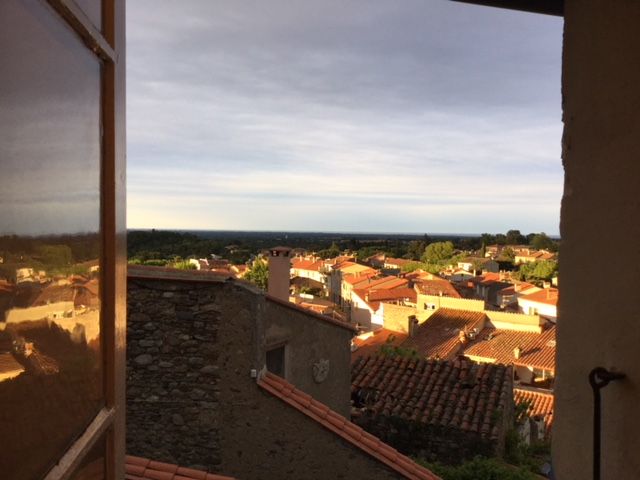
(157, 246)
(53, 253)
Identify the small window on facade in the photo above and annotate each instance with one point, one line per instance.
(275, 361)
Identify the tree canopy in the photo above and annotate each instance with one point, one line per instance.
(438, 251)
(259, 274)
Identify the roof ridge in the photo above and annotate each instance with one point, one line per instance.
(344, 428)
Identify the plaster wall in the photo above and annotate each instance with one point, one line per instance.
(598, 320)
(309, 340)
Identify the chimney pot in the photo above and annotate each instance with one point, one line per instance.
(413, 322)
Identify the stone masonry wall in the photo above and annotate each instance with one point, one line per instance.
(172, 372)
(191, 397)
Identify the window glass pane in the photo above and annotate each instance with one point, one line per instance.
(50, 348)
(93, 10)
(93, 464)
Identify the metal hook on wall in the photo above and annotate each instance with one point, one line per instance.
(599, 378)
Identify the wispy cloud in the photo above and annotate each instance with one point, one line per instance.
(364, 116)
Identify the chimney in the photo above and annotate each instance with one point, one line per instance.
(517, 352)
(279, 265)
(412, 324)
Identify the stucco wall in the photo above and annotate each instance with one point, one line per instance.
(309, 340)
(265, 439)
(598, 314)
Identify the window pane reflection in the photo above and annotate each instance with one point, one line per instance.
(93, 10)
(50, 352)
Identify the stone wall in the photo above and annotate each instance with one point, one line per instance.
(173, 372)
(193, 343)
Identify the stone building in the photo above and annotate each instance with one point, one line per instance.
(199, 393)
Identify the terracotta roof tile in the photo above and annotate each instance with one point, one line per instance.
(372, 342)
(540, 404)
(346, 429)
(538, 350)
(547, 296)
(436, 286)
(458, 394)
(139, 468)
(439, 336)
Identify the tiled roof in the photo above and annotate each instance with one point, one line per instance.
(305, 264)
(538, 350)
(360, 277)
(397, 261)
(457, 394)
(383, 294)
(55, 293)
(436, 286)
(540, 404)
(138, 468)
(547, 296)
(370, 343)
(342, 427)
(439, 335)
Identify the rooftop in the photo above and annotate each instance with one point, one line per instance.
(371, 342)
(138, 468)
(540, 404)
(343, 428)
(436, 286)
(457, 394)
(538, 350)
(439, 335)
(548, 296)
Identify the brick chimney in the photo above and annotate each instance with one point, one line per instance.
(279, 266)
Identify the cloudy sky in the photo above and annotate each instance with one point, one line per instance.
(342, 115)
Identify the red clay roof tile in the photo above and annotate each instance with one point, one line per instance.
(540, 404)
(371, 344)
(347, 430)
(139, 468)
(439, 336)
(458, 394)
(538, 350)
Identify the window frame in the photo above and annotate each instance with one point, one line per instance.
(108, 45)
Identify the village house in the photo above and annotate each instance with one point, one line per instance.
(543, 302)
(447, 411)
(226, 379)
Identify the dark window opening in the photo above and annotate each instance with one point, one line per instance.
(275, 361)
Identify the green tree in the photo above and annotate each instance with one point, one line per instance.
(437, 252)
(514, 237)
(259, 273)
(332, 251)
(54, 255)
(541, 241)
(415, 249)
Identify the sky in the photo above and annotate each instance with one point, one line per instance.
(342, 115)
(49, 125)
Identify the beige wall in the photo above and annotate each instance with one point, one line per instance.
(598, 314)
